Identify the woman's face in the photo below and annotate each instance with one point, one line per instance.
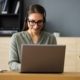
(35, 21)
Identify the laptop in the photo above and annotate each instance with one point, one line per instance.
(42, 58)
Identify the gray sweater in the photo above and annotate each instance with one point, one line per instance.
(20, 38)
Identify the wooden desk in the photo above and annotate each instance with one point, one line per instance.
(22, 76)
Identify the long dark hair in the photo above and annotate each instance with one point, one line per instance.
(36, 8)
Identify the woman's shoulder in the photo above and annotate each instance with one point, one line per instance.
(18, 34)
(50, 36)
(47, 33)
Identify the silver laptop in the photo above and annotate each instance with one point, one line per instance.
(42, 58)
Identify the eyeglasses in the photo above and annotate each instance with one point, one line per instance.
(33, 22)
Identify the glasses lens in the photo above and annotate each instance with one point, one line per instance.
(33, 22)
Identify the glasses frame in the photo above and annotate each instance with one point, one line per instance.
(33, 22)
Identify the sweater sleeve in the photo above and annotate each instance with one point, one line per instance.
(14, 63)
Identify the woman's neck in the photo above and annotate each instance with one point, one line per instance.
(34, 35)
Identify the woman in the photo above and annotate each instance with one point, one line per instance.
(33, 34)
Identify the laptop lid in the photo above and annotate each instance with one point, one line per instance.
(42, 58)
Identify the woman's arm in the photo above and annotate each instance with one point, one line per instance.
(14, 63)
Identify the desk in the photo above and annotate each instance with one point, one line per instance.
(30, 76)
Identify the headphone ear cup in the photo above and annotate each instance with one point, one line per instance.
(24, 25)
(25, 19)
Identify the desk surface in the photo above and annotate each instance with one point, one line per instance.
(34, 76)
